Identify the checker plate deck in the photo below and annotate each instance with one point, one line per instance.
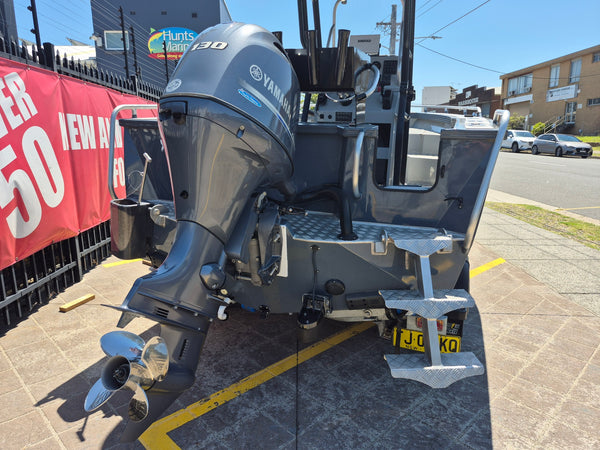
(326, 228)
(321, 227)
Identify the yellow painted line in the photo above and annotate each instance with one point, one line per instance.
(573, 209)
(156, 436)
(478, 270)
(120, 263)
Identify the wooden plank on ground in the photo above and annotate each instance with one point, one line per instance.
(75, 303)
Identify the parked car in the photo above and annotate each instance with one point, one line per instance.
(560, 144)
(518, 140)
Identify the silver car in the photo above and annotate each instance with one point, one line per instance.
(560, 144)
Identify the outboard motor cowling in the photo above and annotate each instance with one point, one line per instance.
(227, 120)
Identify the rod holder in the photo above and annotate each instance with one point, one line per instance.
(313, 58)
(303, 22)
(317, 21)
(342, 55)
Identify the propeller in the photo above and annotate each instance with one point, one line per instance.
(134, 365)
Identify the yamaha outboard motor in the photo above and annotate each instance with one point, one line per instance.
(227, 119)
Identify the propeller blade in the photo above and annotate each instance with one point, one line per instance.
(160, 402)
(139, 375)
(138, 406)
(122, 343)
(155, 357)
(97, 396)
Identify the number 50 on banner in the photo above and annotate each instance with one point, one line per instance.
(36, 146)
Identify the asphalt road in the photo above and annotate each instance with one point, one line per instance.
(571, 183)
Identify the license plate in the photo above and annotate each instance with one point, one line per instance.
(413, 340)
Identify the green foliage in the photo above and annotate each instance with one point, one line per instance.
(586, 233)
(516, 122)
(538, 128)
(592, 140)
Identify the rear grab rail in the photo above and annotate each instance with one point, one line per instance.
(111, 145)
(501, 120)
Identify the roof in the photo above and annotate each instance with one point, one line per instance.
(568, 57)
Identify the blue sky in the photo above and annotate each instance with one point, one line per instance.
(501, 35)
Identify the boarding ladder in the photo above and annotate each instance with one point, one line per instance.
(433, 368)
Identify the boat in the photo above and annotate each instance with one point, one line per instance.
(240, 192)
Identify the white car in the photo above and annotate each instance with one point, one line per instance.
(518, 140)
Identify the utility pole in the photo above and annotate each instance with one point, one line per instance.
(391, 27)
(166, 59)
(36, 28)
(124, 42)
(135, 63)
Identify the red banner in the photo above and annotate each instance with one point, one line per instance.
(54, 138)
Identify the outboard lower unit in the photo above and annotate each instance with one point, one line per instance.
(227, 120)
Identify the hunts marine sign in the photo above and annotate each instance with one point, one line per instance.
(175, 39)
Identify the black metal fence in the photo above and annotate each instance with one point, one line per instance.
(31, 282)
(48, 58)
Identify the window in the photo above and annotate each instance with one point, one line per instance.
(194, 15)
(485, 109)
(596, 57)
(523, 134)
(113, 40)
(575, 72)
(570, 109)
(512, 86)
(554, 75)
(163, 13)
(520, 85)
(593, 101)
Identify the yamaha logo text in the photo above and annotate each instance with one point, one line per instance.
(262, 77)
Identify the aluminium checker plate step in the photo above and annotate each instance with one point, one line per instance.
(323, 227)
(443, 301)
(455, 366)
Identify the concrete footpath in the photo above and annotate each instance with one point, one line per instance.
(536, 326)
(568, 267)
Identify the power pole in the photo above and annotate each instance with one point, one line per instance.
(124, 42)
(391, 27)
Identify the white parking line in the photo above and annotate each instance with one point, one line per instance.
(581, 207)
(551, 164)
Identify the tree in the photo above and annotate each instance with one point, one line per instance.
(516, 122)
(538, 128)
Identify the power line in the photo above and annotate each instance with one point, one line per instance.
(424, 4)
(460, 60)
(424, 12)
(456, 20)
(497, 71)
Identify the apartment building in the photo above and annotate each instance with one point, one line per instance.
(564, 91)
